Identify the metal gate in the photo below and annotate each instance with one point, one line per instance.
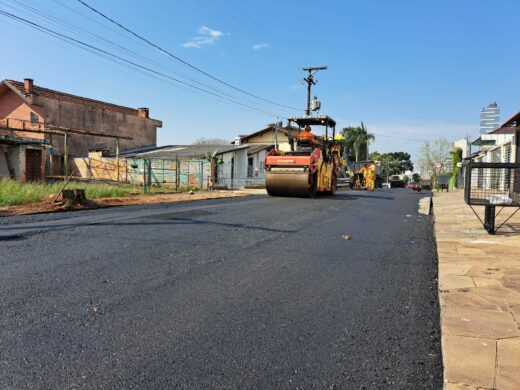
(33, 165)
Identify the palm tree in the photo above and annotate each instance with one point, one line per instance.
(357, 138)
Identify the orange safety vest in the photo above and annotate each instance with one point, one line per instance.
(307, 135)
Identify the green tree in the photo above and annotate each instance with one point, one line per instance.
(376, 156)
(357, 139)
(396, 162)
(456, 156)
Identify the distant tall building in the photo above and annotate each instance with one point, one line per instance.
(489, 118)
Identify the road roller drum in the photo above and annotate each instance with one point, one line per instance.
(290, 182)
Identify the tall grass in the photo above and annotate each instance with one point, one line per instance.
(14, 193)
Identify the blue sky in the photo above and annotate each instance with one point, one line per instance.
(411, 70)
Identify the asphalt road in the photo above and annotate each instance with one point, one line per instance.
(244, 293)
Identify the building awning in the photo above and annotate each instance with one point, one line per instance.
(483, 142)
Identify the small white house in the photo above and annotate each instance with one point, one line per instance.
(232, 172)
(497, 146)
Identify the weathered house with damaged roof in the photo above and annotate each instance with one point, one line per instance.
(40, 126)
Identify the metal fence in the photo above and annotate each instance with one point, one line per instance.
(174, 174)
(233, 176)
(492, 185)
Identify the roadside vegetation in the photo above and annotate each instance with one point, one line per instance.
(14, 193)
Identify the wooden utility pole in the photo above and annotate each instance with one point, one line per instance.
(66, 153)
(310, 82)
(276, 134)
(117, 157)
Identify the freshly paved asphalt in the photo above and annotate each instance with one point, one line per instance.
(244, 293)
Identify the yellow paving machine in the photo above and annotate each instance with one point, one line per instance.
(311, 166)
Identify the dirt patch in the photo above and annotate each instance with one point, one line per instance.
(47, 206)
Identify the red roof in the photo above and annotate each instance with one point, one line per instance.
(510, 121)
(504, 130)
(52, 94)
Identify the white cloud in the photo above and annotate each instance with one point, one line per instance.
(260, 46)
(206, 36)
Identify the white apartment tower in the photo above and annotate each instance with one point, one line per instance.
(489, 118)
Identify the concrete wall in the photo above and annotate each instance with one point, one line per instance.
(14, 156)
(236, 162)
(77, 116)
(4, 164)
(80, 117)
(17, 162)
(258, 163)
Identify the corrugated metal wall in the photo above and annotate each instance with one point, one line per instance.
(171, 173)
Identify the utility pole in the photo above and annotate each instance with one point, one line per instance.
(276, 134)
(117, 157)
(66, 154)
(310, 82)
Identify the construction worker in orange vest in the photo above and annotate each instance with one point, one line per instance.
(306, 134)
(370, 178)
(363, 171)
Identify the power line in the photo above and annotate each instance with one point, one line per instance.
(134, 64)
(265, 30)
(184, 61)
(399, 137)
(242, 27)
(63, 23)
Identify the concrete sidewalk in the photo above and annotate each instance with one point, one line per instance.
(479, 291)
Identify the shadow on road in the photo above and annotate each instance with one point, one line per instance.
(357, 195)
(172, 221)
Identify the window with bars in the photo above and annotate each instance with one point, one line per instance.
(34, 118)
(507, 153)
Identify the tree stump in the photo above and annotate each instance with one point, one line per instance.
(76, 196)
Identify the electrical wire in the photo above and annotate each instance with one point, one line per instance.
(63, 23)
(266, 32)
(242, 28)
(123, 60)
(184, 61)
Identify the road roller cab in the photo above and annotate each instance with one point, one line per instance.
(310, 167)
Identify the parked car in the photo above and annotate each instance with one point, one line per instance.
(426, 184)
(396, 181)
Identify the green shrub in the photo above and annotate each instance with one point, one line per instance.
(14, 193)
